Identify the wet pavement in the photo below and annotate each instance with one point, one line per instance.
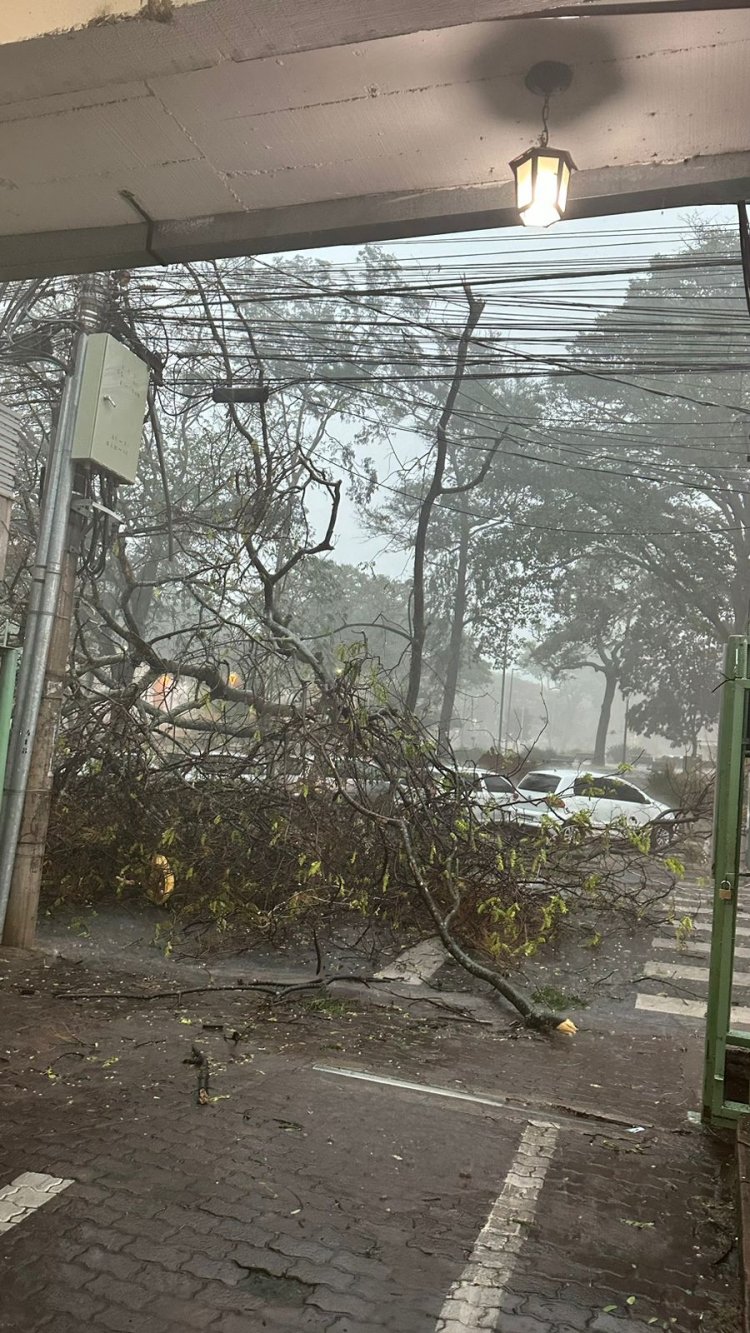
(478, 1177)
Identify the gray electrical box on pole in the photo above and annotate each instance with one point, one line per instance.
(111, 407)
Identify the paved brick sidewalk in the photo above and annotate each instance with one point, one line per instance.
(301, 1200)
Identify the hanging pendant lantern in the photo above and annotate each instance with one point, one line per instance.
(542, 178)
(542, 174)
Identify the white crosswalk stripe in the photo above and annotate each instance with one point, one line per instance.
(703, 906)
(686, 972)
(29, 1191)
(692, 947)
(670, 1004)
(679, 972)
(701, 918)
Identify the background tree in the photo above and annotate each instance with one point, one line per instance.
(672, 669)
(591, 631)
(654, 421)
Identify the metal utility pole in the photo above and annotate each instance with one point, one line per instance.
(28, 789)
(625, 729)
(501, 721)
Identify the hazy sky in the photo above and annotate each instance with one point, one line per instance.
(589, 239)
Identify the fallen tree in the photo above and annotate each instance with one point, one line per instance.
(200, 641)
(347, 817)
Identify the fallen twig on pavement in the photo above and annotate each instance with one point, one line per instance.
(162, 994)
(278, 989)
(198, 1058)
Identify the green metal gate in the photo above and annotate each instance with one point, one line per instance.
(727, 1057)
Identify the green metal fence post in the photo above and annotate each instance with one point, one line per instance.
(9, 659)
(726, 859)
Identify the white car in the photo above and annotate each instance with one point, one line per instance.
(487, 791)
(607, 798)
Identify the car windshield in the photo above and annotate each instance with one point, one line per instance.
(541, 782)
(495, 782)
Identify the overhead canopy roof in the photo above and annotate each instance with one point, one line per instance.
(220, 127)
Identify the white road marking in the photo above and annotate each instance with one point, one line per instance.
(675, 971)
(707, 910)
(672, 1004)
(475, 1300)
(683, 972)
(704, 927)
(512, 1104)
(25, 1194)
(451, 1093)
(688, 947)
(415, 965)
(692, 946)
(705, 903)
(694, 902)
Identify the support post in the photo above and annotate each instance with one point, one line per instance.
(9, 658)
(23, 900)
(38, 694)
(726, 880)
(501, 722)
(626, 701)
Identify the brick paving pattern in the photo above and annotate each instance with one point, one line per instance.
(299, 1201)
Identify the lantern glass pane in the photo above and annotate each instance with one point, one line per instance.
(544, 208)
(524, 183)
(562, 192)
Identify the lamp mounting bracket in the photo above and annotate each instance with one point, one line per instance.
(548, 77)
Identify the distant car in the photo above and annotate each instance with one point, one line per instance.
(221, 768)
(607, 798)
(215, 766)
(362, 779)
(498, 785)
(487, 791)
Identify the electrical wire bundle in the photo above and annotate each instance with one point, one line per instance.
(101, 497)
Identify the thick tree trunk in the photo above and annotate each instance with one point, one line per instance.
(605, 712)
(434, 491)
(455, 644)
(123, 673)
